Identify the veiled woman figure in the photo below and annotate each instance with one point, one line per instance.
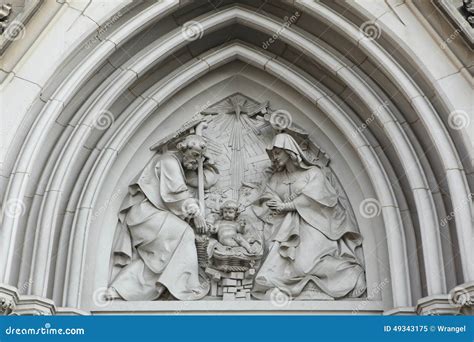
(311, 241)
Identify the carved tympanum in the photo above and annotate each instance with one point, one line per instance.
(237, 211)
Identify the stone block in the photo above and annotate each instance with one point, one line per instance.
(247, 281)
(237, 275)
(213, 288)
(229, 282)
(250, 273)
(228, 296)
(215, 274)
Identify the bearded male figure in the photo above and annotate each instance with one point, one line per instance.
(156, 243)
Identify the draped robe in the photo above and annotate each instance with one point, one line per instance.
(311, 251)
(154, 243)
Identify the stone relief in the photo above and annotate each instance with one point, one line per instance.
(468, 11)
(238, 204)
(5, 11)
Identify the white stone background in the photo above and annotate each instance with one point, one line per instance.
(58, 79)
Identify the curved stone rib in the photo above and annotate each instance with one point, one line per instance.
(438, 134)
(165, 89)
(415, 175)
(45, 120)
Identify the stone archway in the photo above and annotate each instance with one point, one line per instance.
(125, 85)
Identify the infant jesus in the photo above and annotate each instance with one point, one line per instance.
(229, 231)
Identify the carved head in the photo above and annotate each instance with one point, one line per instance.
(192, 148)
(229, 210)
(279, 158)
(283, 150)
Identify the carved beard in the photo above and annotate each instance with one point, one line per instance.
(190, 164)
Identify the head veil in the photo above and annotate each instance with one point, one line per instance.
(289, 144)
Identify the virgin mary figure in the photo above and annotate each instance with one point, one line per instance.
(312, 244)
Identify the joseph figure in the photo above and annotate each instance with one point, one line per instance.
(155, 244)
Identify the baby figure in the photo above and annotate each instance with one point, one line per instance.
(228, 229)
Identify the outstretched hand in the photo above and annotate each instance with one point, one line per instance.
(200, 224)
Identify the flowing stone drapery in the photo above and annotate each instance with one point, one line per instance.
(24, 174)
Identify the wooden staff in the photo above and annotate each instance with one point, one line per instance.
(202, 240)
(202, 204)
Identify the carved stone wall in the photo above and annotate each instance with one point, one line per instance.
(373, 85)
